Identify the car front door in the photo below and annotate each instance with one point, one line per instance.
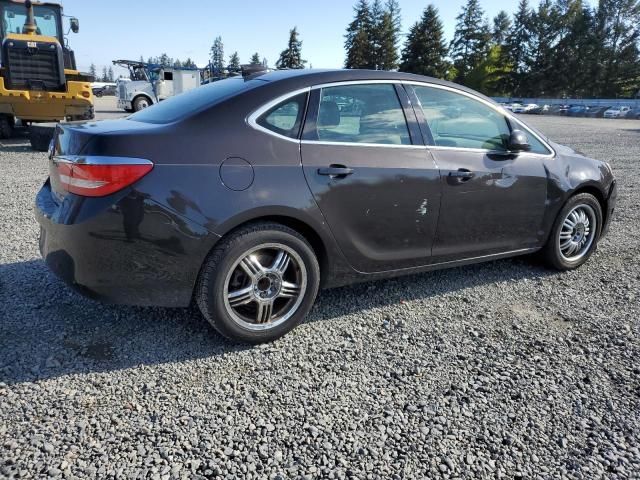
(492, 201)
(373, 179)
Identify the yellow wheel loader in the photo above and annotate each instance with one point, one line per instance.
(39, 81)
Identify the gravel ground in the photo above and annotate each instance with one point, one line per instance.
(497, 370)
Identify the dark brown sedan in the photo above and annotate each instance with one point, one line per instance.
(251, 193)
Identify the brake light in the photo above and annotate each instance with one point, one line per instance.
(100, 176)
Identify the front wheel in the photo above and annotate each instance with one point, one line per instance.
(259, 283)
(575, 233)
(141, 103)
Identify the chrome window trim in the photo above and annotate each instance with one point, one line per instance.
(356, 144)
(100, 160)
(496, 108)
(252, 119)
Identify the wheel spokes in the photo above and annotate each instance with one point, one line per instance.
(264, 312)
(289, 290)
(252, 266)
(241, 297)
(281, 262)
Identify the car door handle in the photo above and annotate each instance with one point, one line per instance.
(462, 174)
(335, 171)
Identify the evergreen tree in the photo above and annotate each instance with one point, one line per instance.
(234, 62)
(255, 59)
(92, 71)
(217, 55)
(164, 60)
(384, 36)
(620, 70)
(358, 42)
(393, 9)
(574, 51)
(488, 76)
(291, 57)
(188, 63)
(516, 49)
(387, 49)
(105, 75)
(470, 44)
(501, 27)
(425, 50)
(110, 75)
(544, 34)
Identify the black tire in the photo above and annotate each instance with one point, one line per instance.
(552, 254)
(140, 103)
(6, 126)
(40, 137)
(211, 288)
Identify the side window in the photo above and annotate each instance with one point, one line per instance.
(456, 120)
(286, 117)
(168, 75)
(362, 114)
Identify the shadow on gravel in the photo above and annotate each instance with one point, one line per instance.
(47, 330)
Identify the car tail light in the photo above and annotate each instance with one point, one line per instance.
(99, 176)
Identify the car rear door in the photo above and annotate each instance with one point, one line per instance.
(371, 175)
(492, 201)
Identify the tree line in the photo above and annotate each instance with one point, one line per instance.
(290, 57)
(558, 48)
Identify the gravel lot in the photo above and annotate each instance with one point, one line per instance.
(497, 370)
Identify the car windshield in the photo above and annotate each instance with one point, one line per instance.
(14, 16)
(194, 101)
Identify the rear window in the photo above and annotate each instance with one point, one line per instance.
(193, 101)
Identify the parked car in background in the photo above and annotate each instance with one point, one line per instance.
(539, 110)
(578, 111)
(250, 193)
(597, 111)
(524, 108)
(105, 90)
(617, 112)
(633, 114)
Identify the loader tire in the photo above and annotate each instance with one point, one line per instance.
(40, 137)
(6, 126)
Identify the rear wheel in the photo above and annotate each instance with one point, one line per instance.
(259, 283)
(575, 233)
(6, 126)
(141, 103)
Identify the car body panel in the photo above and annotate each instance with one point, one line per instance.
(499, 209)
(146, 244)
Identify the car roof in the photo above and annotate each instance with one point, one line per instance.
(307, 77)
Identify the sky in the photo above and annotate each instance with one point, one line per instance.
(119, 29)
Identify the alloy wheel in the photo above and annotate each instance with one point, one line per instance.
(577, 232)
(265, 286)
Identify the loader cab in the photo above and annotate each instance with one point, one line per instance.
(48, 20)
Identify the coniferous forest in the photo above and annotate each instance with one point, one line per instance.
(557, 48)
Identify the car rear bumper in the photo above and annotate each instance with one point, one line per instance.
(124, 249)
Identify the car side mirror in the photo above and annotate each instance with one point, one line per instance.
(518, 142)
(75, 24)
